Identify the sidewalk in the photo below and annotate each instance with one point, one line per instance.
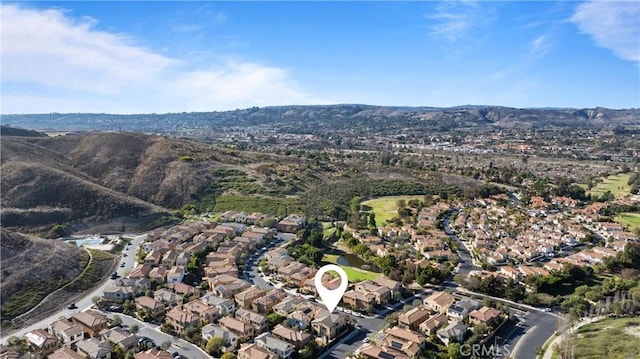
(549, 351)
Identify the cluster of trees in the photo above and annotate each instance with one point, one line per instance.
(570, 275)
(494, 286)
(307, 249)
(335, 199)
(634, 182)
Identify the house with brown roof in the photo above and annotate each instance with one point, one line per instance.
(153, 258)
(183, 289)
(357, 300)
(253, 351)
(94, 348)
(404, 340)
(413, 317)
(167, 297)
(141, 271)
(151, 307)
(41, 343)
(294, 337)
(180, 320)
(92, 322)
(431, 325)
(369, 351)
(485, 315)
(292, 223)
(327, 327)
(439, 301)
(206, 313)
(265, 303)
(153, 354)
(382, 294)
(158, 275)
(258, 321)
(66, 331)
(394, 286)
(125, 340)
(245, 298)
(242, 330)
(62, 353)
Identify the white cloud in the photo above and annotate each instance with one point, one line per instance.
(54, 63)
(539, 47)
(453, 20)
(613, 25)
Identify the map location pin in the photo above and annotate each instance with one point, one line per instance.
(331, 298)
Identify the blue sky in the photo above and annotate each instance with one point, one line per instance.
(141, 57)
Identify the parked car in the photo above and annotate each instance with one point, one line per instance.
(122, 265)
(72, 306)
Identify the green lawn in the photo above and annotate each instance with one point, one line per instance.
(328, 232)
(608, 338)
(385, 207)
(630, 221)
(354, 274)
(616, 184)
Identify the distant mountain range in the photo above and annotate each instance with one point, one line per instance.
(332, 116)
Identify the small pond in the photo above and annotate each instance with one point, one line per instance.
(353, 260)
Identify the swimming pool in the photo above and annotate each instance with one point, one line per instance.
(91, 241)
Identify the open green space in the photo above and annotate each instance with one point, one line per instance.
(616, 184)
(385, 207)
(609, 338)
(276, 206)
(630, 221)
(354, 274)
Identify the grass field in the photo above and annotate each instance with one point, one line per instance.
(385, 207)
(616, 184)
(630, 221)
(354, 274)
(609, 338)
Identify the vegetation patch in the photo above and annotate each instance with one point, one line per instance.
(276, 206)
(99, 266)
(629, 220)
(354, 274)
(618, 185)
(385, 208)
(608, 338)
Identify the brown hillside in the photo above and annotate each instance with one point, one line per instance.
(34, 267)
(101, 176)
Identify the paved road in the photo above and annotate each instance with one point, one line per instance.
(153, 332)
(465, 265)
(86, 301)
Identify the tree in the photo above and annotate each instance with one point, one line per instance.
(116, 321)
(166, 344)
(228, 356)
(372, 220)
(214, 346)
(401, 203)
(275, 319)
(134, 328)
(454, 351)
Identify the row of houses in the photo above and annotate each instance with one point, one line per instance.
(440, 315)
(83, 335)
